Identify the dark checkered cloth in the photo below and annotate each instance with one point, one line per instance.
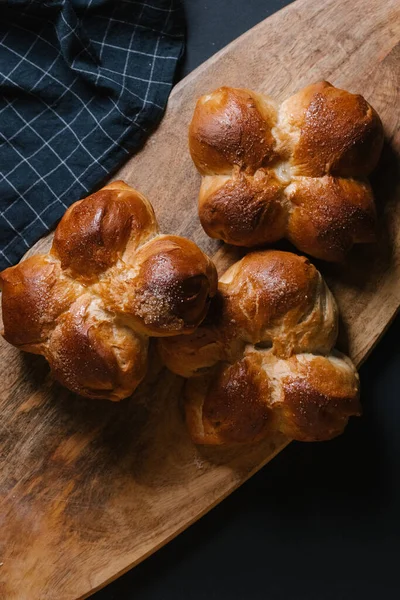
(82, 83)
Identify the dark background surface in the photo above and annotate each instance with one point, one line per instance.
(321, 521)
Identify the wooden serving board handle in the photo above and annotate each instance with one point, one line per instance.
(90, 488)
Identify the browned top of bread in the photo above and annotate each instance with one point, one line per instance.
(234, 408)
(329, 131)
(109, 282)
(259, 160)
(232, 127)
(263, 359)
(99, 229)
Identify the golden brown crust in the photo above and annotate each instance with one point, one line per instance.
(329, 215)
(94, 356)
(34, 294)
(318, 400)
(279, 298)
(189, 354)
(307, 397)
(235, 408)
(269, 297)
(250, 158)
(232, 127)
(245, 211)
(170, 287)
(108, 284)
(263, 359)
(268, 286)
(337, 132)
(94, 232)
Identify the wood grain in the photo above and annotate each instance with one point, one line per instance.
(90, 488)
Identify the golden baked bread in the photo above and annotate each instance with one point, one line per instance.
(109, 282)
(263, 359)
(297, 170)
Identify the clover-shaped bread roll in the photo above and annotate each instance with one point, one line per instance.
(109, 282)
(263, 359)
(297, 170)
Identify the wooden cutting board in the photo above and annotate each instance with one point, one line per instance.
(90, 488)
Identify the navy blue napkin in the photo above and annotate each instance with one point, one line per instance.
(82, 84)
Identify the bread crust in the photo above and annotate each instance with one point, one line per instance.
(260, 161)
(109, 282)
(263, 359)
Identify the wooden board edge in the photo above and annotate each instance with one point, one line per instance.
(186, 525)
(228, 492)
(376, 341)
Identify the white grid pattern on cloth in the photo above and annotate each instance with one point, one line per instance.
(77, 174)
(132, 51)
(60, 83)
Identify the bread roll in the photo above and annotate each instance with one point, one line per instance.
(109, 282)
(297, 170)
(263, 359)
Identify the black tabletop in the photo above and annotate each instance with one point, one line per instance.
(321, 521)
